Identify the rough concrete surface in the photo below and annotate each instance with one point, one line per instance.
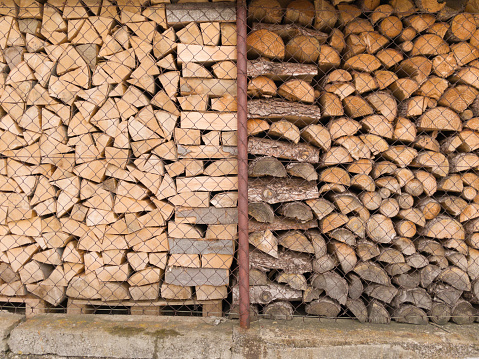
(116, 336)
(8, 321)
(323, 338)
(58, 336)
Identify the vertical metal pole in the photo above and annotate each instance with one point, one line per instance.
(243, 243)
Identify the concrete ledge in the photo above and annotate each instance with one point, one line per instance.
(118, 336)
(8, 321)
(58, 336)
(331, 339)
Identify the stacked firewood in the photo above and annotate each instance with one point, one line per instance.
(363, 181)
(117, 142)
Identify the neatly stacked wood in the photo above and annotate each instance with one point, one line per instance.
(363, 175)
(117, 142)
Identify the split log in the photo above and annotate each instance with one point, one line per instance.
(287, 261)
(280, 71)
(377, 313)
(279, 149)
(410, 314)
(264, 294)
(323, 307)
(279, 311)
(299, 114)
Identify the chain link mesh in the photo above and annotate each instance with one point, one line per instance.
(118, 156)
(363, 139)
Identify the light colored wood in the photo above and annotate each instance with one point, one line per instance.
(204, 54)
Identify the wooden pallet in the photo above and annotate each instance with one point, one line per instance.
(81, 306)
(33, 305)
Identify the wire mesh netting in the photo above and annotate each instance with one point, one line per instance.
(363, 188)
(118, 156)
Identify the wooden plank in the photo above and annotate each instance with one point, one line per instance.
(206, 183)
(208, 215)
(280, 224)
(210, 87)
(205, 54)
(181, 14)
(206, 152)
(195, 246)
(224, 121)
(147, 307)
(196, 276)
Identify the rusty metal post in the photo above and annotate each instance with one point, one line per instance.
(243, 243)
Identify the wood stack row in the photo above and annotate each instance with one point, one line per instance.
(363, 182)
(117, 142)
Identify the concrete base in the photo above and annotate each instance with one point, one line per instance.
(8, 321)
(58, 336)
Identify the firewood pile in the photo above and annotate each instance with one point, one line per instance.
(363, 136)
(118, 145)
